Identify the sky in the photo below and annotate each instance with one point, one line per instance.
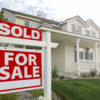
(57, 10)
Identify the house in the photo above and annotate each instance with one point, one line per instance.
(79, 41)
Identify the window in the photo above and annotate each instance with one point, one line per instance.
(87, 32)
(75, 54)
(84, 53)
(31, 24)
(88, 53)
(91, 54)
(26, 23)
(90, 33)
(76, 28)
(81, 51)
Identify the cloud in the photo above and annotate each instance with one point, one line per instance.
(57, 10)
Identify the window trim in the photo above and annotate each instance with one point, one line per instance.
(84, 55)
(26, 23)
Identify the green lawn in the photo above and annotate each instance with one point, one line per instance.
(10, 96)
(78, 89)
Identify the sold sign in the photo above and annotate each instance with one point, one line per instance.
(19, 70)
(18, 31)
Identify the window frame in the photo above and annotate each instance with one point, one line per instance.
(76, 29)
(90, 54)
(27, 24)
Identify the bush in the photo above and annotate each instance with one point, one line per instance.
(93, 73)
(86, 75)
(54, 73)
(57, 75)
(61, 77)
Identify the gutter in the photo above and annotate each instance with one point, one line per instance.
(70, 34)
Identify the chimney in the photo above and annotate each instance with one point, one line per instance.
(41, 14)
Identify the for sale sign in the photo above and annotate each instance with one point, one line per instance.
(18, 31)
(20, 70)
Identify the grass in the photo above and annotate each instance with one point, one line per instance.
(78, 89)
(10, 96)
(38, 92)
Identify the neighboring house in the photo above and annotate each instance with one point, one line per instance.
(79, 41)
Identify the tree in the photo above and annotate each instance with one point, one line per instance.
(2, 17)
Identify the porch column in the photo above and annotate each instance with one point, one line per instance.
(77, 52)
(96, 44)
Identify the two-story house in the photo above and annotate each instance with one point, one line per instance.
(79, 41)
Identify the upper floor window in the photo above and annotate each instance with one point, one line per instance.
(90, 33)
(26, 23)
(76, 28)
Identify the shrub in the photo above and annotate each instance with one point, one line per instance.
(86, 75)
(54, 73)
(57, 75)
(61, 77)
(93, 73)
(99, 75)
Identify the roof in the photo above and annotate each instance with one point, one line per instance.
(85, 23)
(31, 16)
(92, 22)
(74, 18)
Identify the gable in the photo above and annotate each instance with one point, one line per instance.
(76, 18)
(92, 25)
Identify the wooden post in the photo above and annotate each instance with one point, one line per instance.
(47, 66)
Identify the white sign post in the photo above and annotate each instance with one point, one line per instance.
(47, 66)
(31, 37)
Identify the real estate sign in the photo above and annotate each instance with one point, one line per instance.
(19, 69)
(18, 31)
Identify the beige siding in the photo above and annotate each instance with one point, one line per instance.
(68, 27)
(70, 57)
(58, 58)
(10, 16)
(91, 28)
(32, 24)
(20, 21)
(76, 22)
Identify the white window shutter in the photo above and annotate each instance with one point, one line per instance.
(73, 27)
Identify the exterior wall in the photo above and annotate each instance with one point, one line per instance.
(32, 23)
(63, 58)
(58, 58)
(10, 16)
(68, 27)
(98, 60)
(64, 27)
(20, 21)
(70, 61)
(76, 22)
(91, 28)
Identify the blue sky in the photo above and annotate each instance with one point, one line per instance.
(58, 10)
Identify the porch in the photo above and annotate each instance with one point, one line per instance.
(63, 57)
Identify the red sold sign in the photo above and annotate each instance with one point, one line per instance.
(20, 70)
(18, 31)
